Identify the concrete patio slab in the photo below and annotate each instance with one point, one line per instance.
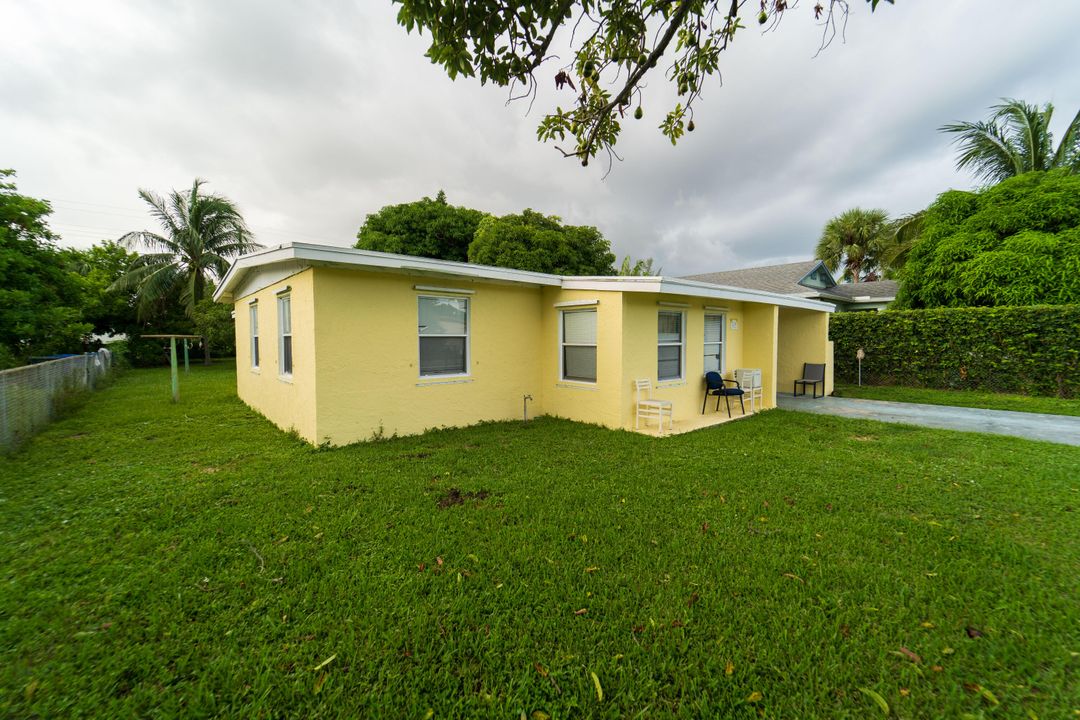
(1033, 426)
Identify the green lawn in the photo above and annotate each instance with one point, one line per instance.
(962, 398)
(192, 560)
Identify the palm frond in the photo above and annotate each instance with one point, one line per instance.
(985, 149)
(1068, 150)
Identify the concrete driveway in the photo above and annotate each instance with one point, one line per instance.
(1033, 426)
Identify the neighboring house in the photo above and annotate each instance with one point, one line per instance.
(809, 279)
(345, 345)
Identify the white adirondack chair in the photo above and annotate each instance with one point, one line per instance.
(648, 407)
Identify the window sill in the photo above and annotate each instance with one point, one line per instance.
(285, 379)
(256, 371)
(678, 382)
(444, 380)
(576, 384)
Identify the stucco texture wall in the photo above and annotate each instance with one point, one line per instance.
(586, 402)
(803, 338)
(289, 403)
(640, 340)
(366, 341)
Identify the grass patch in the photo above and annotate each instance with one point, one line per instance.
(962, 398)
(192, 560)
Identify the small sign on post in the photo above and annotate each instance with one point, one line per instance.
(859, 355)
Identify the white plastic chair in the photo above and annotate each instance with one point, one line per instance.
(648, 407)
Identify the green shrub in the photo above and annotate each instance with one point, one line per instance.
(1031, 350)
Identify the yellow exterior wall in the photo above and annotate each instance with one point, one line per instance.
(759, 347)
(586, 402)
(640, 351)
(368, 349)
(804, 338)
(289, 404)
(356, 354)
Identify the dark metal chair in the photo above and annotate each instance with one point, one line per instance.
(812, 375)
(718, 386)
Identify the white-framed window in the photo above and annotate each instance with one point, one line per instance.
(443, 330)
(253, 315)
(577, 337)
(285, 347)
(715, 324)
(671, 345)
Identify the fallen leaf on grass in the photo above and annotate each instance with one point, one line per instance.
(793, 576)
(789, 501)
(540, 715)
(904, 692)
(876, 697)
(592, 569)
(729, 668)
(320, 682)
(582, 611)
(936, 668)
(677, 624)
(754, 697)
(637, 629)
(973, 632)
(439, 560)
(828, 507)
(540, 669)
(596, 684)
(704, 528)
(324, 663)
(926, 624)
(694, 597)
(910, 655)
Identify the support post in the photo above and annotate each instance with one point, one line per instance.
(175, 374)
(187, 367)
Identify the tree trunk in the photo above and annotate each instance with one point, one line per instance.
(206, 351)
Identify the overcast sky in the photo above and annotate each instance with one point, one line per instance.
(312, 115)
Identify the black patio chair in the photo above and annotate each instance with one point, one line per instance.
(812, 375)
(718, 386)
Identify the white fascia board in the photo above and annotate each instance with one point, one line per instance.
(693, 288)
(367, 259)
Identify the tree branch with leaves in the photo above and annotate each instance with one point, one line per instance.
(616, 46)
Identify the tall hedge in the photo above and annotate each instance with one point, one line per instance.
(1033, 350)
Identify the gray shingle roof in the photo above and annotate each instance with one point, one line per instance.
(772, 278)
(785, 279)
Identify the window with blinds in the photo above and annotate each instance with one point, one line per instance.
(670, 345)
(443, 328)
(579, 345)
(714, 343)
(285, 347)
(253, 315)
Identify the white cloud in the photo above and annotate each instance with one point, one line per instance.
(312, 116)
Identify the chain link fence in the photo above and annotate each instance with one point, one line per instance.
(31, 396)
(947, 377)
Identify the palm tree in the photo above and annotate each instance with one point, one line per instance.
(853, 240)
(903, 233)
(1015, 140)
(201, 232)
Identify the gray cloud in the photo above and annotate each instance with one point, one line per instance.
(312, 116)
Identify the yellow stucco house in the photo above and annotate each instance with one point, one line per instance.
(343, 345)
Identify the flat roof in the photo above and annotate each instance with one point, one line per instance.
(335, 256)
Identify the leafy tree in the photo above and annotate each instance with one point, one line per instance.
(109, 311)
(532, 241)
(1015, 140)
(614, 47)
(214, 321)
(641, 268)
(201, 232)
(40, 297)
(428, 228)
(1015, 243)
(854, 240)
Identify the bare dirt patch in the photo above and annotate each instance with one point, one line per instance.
(454, 496)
